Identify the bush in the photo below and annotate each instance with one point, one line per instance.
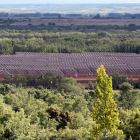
(90, 84)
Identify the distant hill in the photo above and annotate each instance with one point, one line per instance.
(71, 8)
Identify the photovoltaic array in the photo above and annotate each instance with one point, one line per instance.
(67, 64)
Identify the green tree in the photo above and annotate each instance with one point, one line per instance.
(59, 79)
(133, 129)
(90, 84)
(115, 79)
(130, 123)
(70, 81)
(125, 87)
(105, 112)
(129, 98)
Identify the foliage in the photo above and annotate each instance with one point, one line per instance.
(130, 123)
(69, 39)
(41, 113)
(29, 114)
(70, 85)
(125, 87)
(28, 80)
(60, 117)
(90, 84)
(108, 136)
(105, 112)
(128, 98)
(118, 79)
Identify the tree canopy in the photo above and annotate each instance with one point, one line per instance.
(105, 113)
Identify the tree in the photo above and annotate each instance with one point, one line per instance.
(105, 113)
(133, 127)
(59, 16)
(130, 123)
(115, 79)
(70, 81)
(90, 84)
(97, 16)
(59, 79)
(129, 98)
(125, 87)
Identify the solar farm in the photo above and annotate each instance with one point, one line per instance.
(81, 66)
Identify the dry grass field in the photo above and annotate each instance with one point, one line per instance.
(74, 21)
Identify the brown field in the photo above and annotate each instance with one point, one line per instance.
(74, 21)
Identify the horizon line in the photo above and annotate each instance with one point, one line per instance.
(68, 3)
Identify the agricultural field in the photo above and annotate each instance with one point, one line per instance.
(69, 22)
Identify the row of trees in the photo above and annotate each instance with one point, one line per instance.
(50, 81)
(12, 41)
(47, 81)
(118, 79)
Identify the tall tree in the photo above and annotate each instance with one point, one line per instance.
(105, 112)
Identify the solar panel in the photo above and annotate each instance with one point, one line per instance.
(74, 63)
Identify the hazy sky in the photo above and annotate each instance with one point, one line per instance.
(65, 1)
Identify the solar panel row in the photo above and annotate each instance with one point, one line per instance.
(64, 63)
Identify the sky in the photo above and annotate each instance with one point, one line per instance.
(65, 1)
